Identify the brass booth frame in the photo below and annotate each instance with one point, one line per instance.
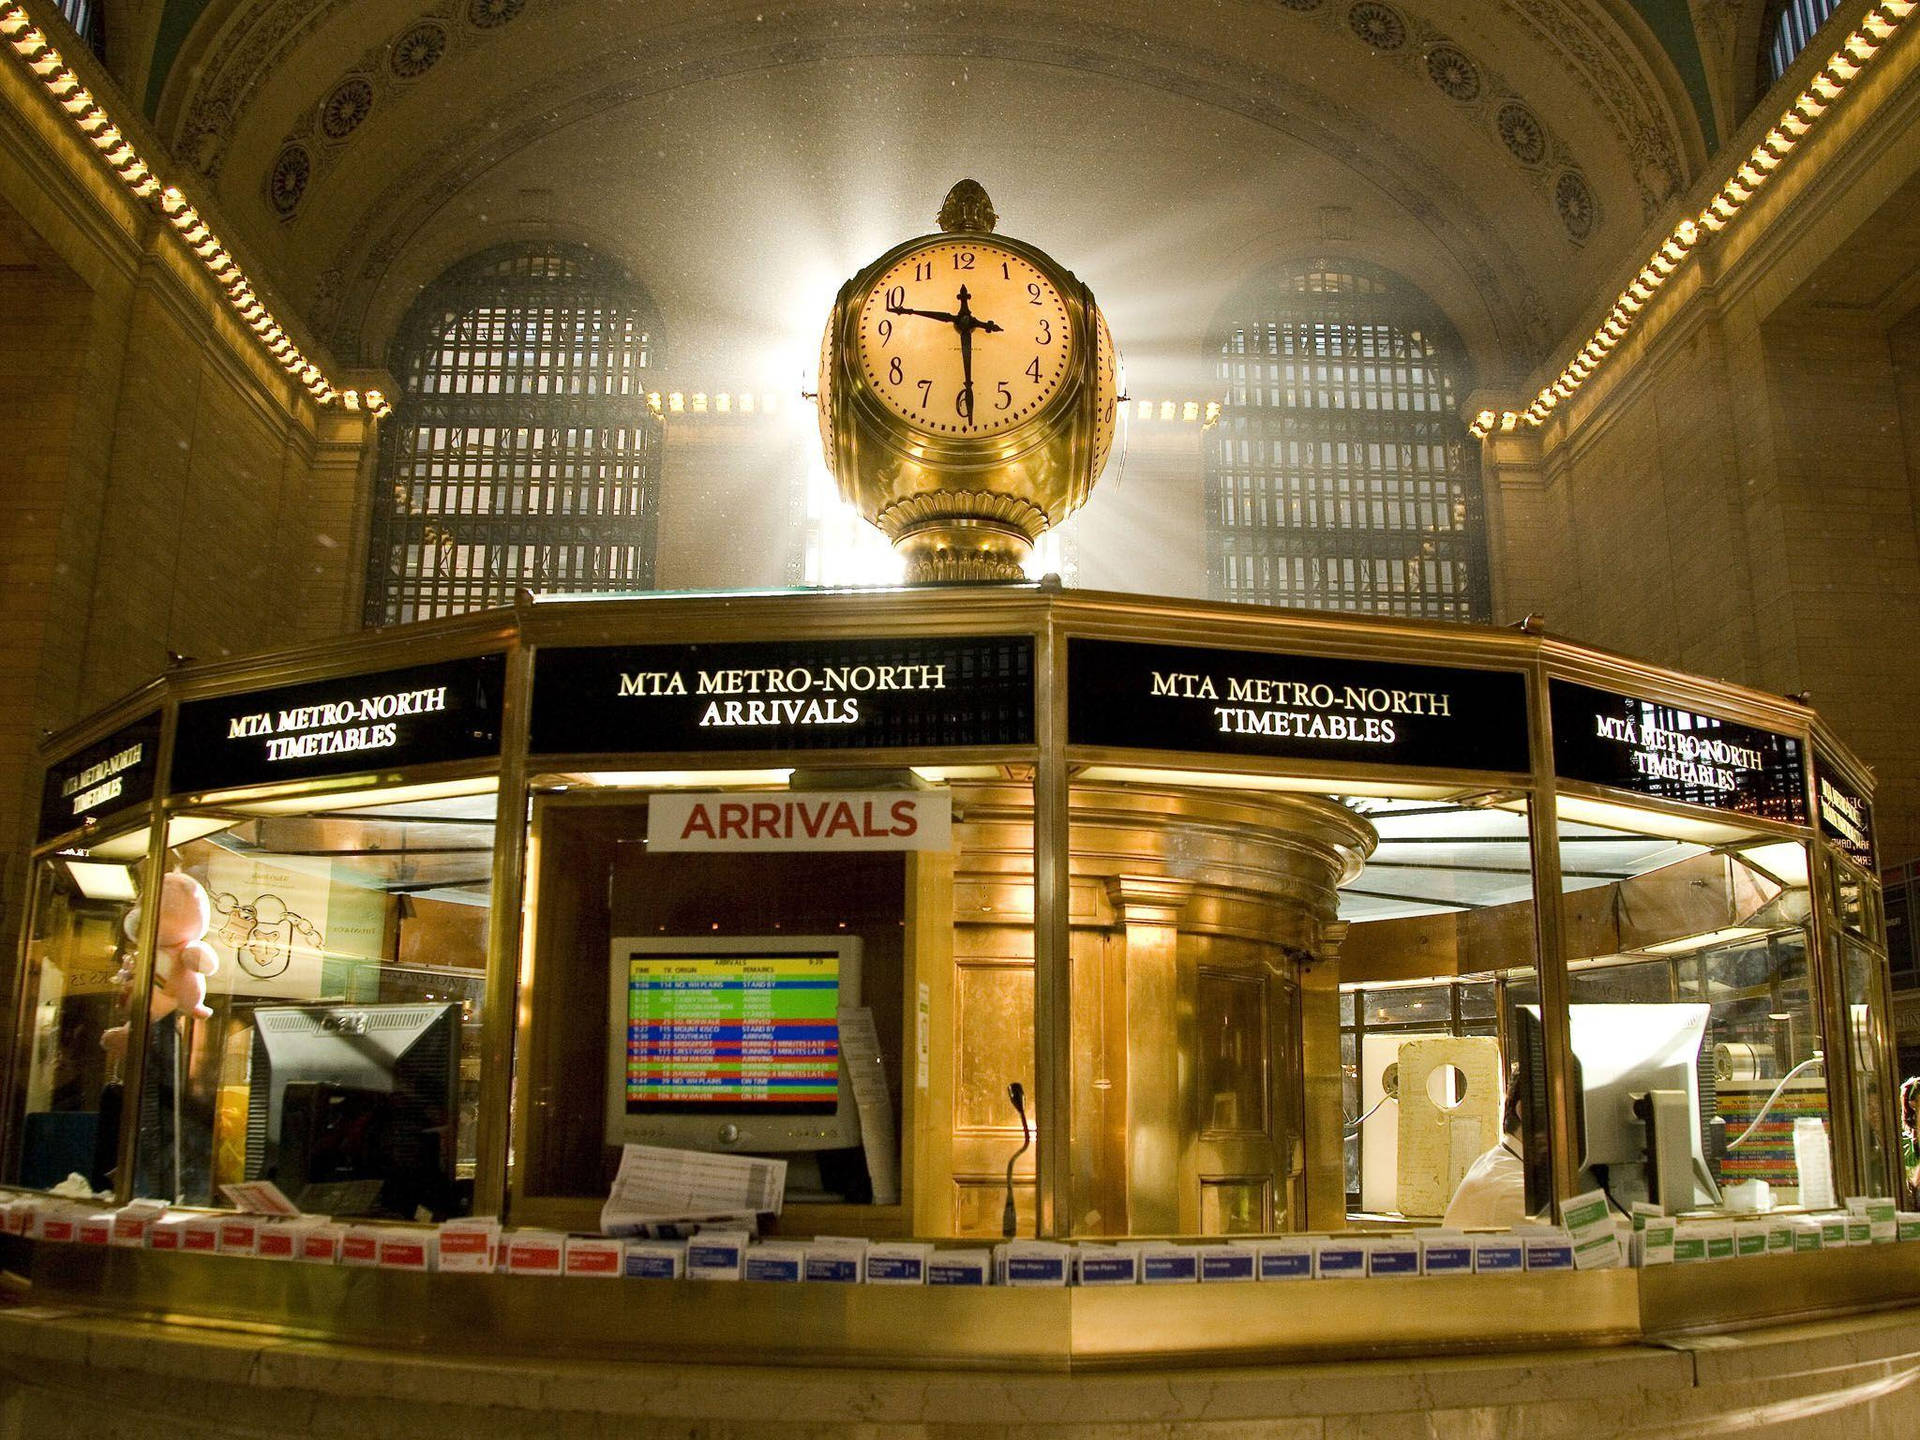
(1050, 617)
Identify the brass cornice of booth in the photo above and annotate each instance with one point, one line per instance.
(1298, 848)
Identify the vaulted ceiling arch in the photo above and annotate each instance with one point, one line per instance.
(366, 142)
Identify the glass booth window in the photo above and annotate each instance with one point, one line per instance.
(1288, 1002)
(1856, 917)
(1698, 1051)
(81, 950)
(1438, 963)
(338, 1054)
(691, 987)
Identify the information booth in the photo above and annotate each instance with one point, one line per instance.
(1268, 916)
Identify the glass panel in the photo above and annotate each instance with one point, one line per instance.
(341, 1055)
(1477, 1001)
(1411, 1005)
(1233, 1207)
(1350, 1104)
(1447, 884)
(1231, 1012)
(80, 956)
(1866, 1044)
(1212, 901)
(1626, 984)
(1695, 1035)
(745, 982)
(1849, 897)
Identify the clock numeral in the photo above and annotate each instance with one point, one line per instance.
(1005, 274)
(963, 403)
(1004, 400)
(896, 297)
(1033, 292)
(1033, 370)
(894, 373)
(885, 328)
(926, 392)
(923, 269)
(1046, 331)
(963, 259)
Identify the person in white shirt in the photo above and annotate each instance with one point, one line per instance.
(1493, 1192)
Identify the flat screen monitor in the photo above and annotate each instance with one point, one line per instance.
(354, 1109)
(731, 1043)
(1620, 1051)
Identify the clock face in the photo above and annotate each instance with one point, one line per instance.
(964, 338)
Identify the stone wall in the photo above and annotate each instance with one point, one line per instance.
(1734, 493)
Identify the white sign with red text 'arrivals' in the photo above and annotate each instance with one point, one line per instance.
(802, 820)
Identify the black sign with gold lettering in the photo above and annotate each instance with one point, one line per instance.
(784, 695)
(1245, 702)
(109, 776)
(1628, 743)
(1846, 816)
(411, 716)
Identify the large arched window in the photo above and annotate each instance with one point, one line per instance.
(522, 451)
(1340, 475)
(1788, 28)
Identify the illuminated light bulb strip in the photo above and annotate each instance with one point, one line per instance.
(1753, 172)
(85, 112)
(719, 402)
(722, 402)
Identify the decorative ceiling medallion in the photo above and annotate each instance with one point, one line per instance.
(1379, 26)
(1574, 201)
(1456, 75)
(346, 107)
(417, 51)
(1522, 133)
(288, 182)
(485, 14)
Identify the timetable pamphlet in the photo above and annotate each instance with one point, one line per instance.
(657, 1185)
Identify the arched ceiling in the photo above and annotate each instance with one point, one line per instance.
(742, 160)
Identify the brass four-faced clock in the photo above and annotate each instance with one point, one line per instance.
(967, 395)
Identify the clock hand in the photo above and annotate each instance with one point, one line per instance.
(966, 367)
(940, 315)
(964, 322)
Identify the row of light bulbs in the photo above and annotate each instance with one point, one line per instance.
(1190, 412)
(90, 118)
(1746, 181)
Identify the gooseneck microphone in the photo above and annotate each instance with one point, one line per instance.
(1009, 1221)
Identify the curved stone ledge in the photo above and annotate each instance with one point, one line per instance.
(71, 1373)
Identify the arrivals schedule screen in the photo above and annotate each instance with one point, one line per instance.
(711, 1032)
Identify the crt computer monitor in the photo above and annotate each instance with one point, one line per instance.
(354, 1109)
(1620, 1051)
(731, 1043)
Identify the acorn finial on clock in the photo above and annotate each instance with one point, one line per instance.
(968, 210)
(968, 386)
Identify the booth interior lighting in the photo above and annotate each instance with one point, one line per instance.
(100, 880)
